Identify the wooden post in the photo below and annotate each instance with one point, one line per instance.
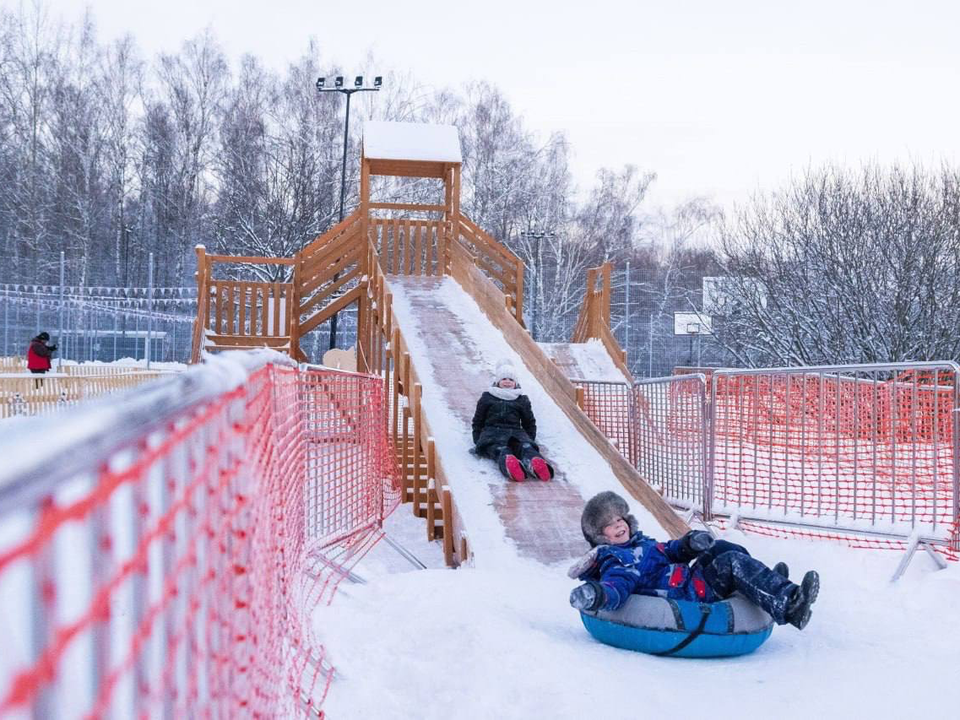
(293, 309)
(455, 220)
(580, 397)
(605, 307)
(431, 511)
(518, 305)
(431, 474)
(416, 397)
(447, 504)
(397, 369)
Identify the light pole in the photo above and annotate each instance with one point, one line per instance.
(348, 91)
(536, 236)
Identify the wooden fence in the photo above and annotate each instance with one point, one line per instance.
(24, 394)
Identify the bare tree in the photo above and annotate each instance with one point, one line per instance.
(842, 267)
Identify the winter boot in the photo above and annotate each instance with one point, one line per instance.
(537, 467)
(781, 569)
(803, 596)
(511, 468)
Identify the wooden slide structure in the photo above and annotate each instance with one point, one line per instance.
(411, 250)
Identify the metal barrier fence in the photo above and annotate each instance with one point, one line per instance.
(659, 425)
(865, 448)
(155, 559)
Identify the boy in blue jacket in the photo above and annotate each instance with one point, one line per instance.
(625, 561)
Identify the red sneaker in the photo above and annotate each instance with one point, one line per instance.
(514, 468)
(540, 468)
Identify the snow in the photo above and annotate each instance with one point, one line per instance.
(504, 643)
(591, 360)
(411, 141)
(500, 640)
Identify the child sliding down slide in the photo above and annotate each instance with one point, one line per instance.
(696, 567)
(505, 430)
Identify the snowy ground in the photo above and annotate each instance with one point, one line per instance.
(503, 643)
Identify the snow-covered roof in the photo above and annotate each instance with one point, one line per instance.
(411, 141)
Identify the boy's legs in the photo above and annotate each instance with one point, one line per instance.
(728, 568)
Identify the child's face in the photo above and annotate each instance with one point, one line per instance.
(617, 532)
(507, 384)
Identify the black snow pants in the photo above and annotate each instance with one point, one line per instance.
(728, 568)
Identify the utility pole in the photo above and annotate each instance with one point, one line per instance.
(536, 236)
(348, 91)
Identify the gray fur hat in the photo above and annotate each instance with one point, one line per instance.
(600, 511)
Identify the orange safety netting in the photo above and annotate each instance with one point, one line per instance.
(178, 576)
(865, 451)
(851, 452)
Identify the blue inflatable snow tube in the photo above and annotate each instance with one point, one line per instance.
(682, 628)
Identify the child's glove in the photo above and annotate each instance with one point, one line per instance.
(697, 541)
(584, 565)
(588, 596)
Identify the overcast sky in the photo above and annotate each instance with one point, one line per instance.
(719, 97)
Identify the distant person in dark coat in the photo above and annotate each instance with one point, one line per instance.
(696, 567)
(39, 354)
(505, 430)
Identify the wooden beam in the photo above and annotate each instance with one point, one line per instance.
(406, 206)
(250, 260)
(329, 310)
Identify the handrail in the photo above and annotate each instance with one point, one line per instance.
(486, 250)
(382, 349)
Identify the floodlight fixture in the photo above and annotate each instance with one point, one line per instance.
(348, 91)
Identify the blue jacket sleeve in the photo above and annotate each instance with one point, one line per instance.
(618, 583)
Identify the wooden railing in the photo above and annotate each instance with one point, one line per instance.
(42, 394)
(497, 262)
(327, 274)
(594, 319)
(240, 314)
(409, 246)
(383, 350)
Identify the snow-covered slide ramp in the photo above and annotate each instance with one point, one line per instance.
(455, 347)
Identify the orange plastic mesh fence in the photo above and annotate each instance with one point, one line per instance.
(177, 576)
(854, 450)
(868, 448)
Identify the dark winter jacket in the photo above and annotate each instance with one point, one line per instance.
(39, 354)
(497, 421)
(644, 566)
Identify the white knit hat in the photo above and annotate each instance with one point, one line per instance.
(505, 369)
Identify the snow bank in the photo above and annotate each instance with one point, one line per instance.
(504, 643)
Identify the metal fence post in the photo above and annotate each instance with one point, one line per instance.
(955, 540)
(150, 309)
(6, 321)
(709, 446)
(63, 268)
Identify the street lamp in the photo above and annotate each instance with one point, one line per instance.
(358, 86)
(536, 236)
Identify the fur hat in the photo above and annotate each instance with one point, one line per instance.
(600, 511)
(44, 336)
(505, 369)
